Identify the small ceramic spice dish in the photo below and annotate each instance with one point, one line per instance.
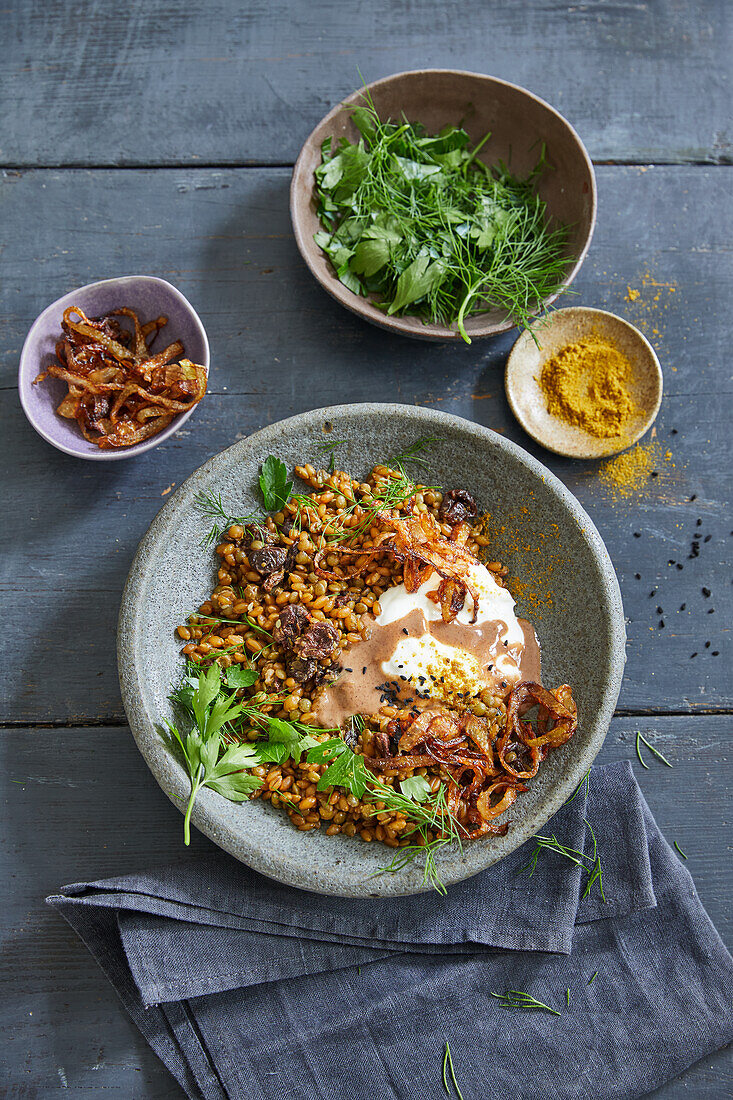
(149, 297)
(556, 331)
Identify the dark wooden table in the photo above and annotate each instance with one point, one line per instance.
(158, 137)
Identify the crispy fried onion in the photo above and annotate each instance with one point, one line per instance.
(118, 393)
(484, 777)
(417, 540)
(519, 750)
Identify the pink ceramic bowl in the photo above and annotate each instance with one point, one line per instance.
(148, 297)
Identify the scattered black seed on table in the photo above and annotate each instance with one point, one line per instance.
(654, 473)
(679, 565)
(707, 645)
(705, 592)
(659, 611)
(711, 611)
(699, 523)
(716, 653)
(661, 624)
(638, 576)
(637, 534)
(652, 593)
(693, 655)
(673, 431)
(693, 497)
(683, 606)
(707, 538)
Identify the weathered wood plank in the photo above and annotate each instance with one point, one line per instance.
(280, 345)
(155, 82)
(103, 814)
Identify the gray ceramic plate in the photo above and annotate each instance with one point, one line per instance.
(544, 537)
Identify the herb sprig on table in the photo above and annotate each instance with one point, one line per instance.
(589, 864)
(421, 223)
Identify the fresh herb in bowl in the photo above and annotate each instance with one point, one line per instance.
(422, 225)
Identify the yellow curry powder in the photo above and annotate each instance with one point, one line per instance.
(586, 384)
(629, 472)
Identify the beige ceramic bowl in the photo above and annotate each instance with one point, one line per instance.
(519, 123)
(562, 327)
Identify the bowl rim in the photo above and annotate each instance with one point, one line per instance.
(137, 448)
(207, 817)
(363, 306)
(585, 311)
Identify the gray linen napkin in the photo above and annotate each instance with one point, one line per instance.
(247, 988)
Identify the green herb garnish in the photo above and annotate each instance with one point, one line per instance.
(209, 761)
(448, 1066)
(416, 787)
(274, 483)
(414, 453)
(517, 998)
(211, 506)
(679, 850)
(330, 450)
(423, 225)
(590, 864)
(593, 977)
(585, 780)
(640, 737)
(347, 769)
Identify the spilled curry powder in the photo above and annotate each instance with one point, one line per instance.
(629, 472)
(586, 384)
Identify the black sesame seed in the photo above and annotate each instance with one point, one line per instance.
(363, 671)
(707, 538)
(671, 561)
(706, 592)
(638, 576)
(405, 630)
(659, 611)
(673, 431)
(683, 606)
(637, 534)
(661, 624)
(693, 497)
(699, 523)
(654, 473)
(652, 593)
(490, 667)
(716, 653)
(348, 670)
(693, 655)
(679, 565)
(711, 611)
(707, 645)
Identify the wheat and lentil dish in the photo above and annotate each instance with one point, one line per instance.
(299, 599)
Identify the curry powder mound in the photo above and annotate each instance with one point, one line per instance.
(586, 384)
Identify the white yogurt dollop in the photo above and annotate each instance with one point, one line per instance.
(425, 656)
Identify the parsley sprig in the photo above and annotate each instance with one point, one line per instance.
(212, 752)
(210, 762)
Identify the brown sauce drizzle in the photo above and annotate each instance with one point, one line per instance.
(363, 686)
